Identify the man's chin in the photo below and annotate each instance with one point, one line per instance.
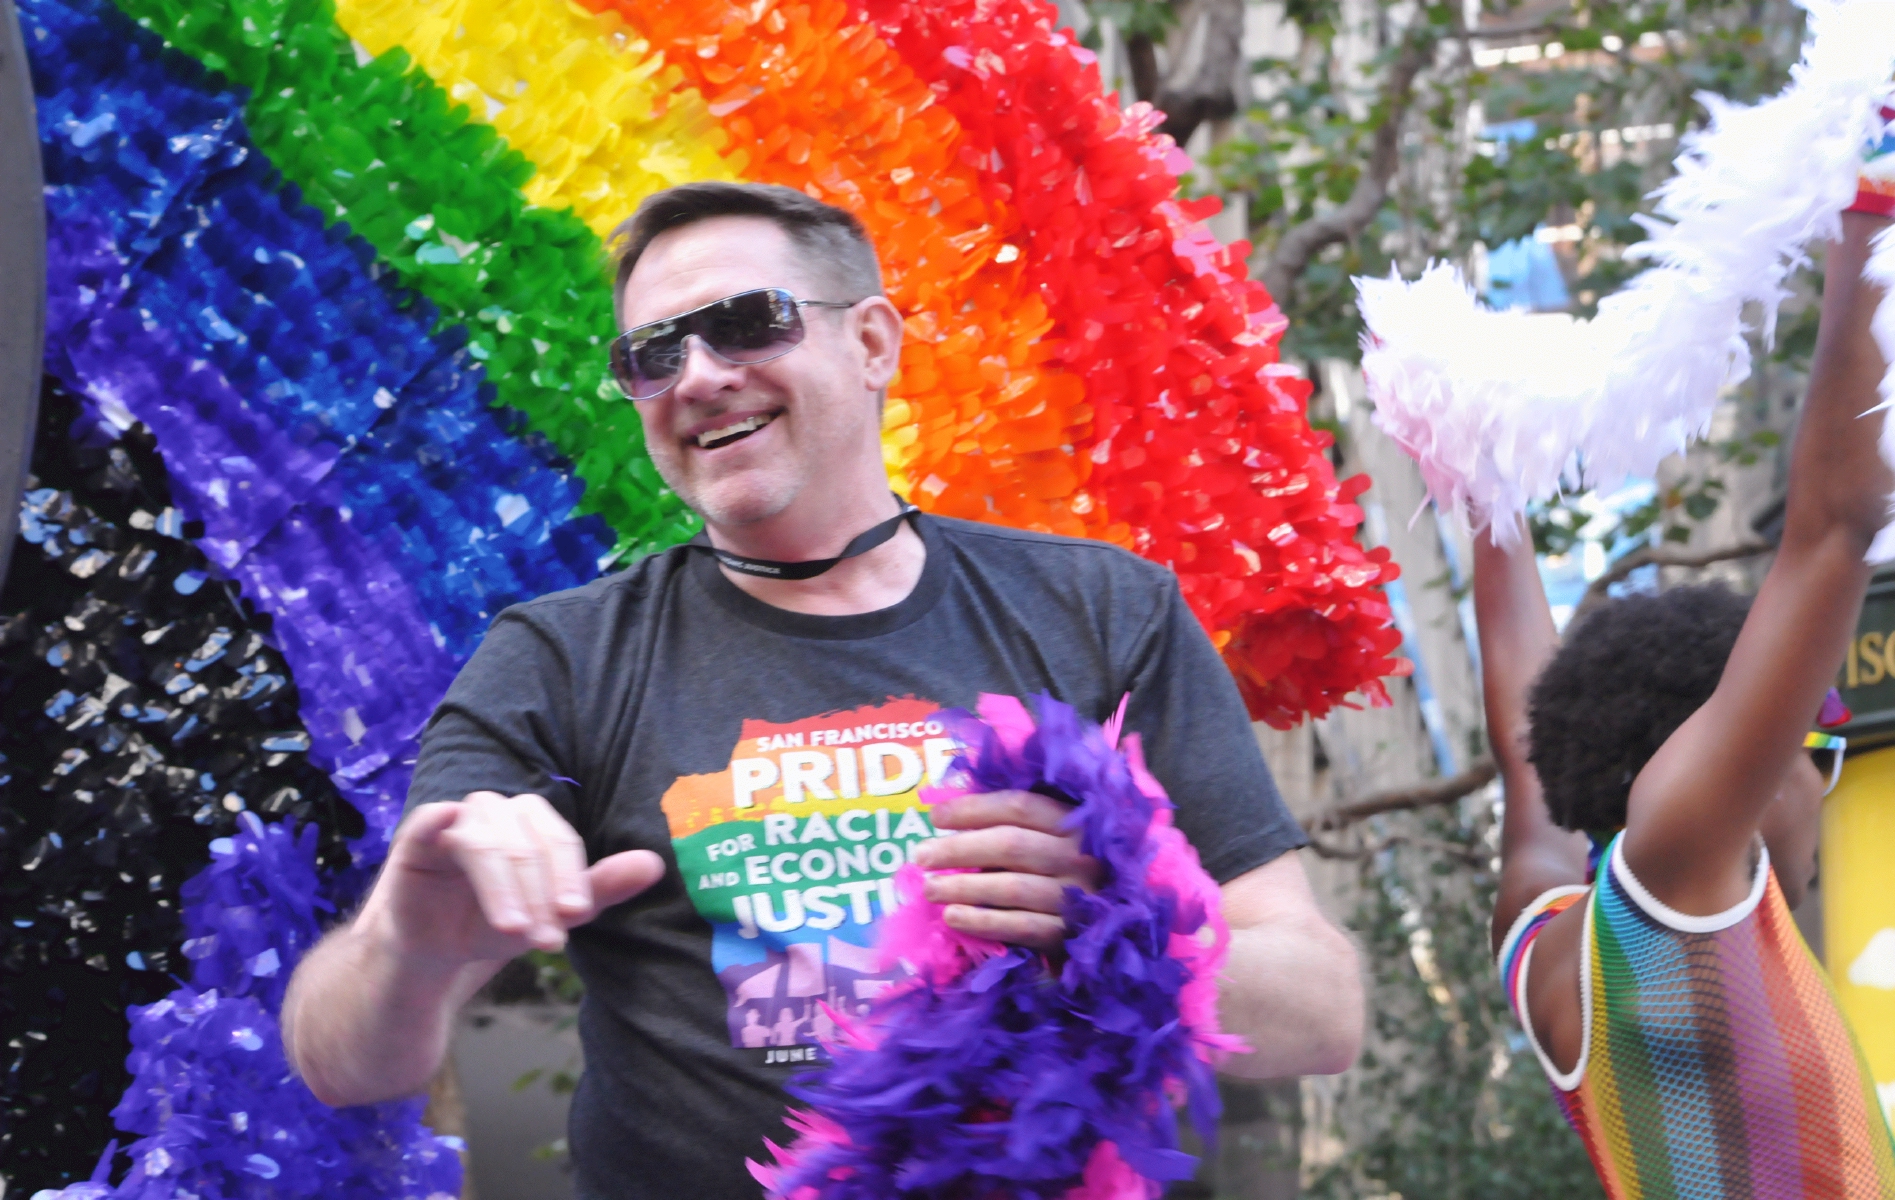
(733, 503)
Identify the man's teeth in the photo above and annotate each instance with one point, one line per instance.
(735, 429)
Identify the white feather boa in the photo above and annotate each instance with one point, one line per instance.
(1502, 408)
(1880, 270)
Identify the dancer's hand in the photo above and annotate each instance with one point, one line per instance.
(1024, 862)
(494, 876)
(1875, 186)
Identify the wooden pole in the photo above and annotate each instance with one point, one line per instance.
(22, 275)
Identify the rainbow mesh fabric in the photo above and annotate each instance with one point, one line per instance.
(1717, 1065)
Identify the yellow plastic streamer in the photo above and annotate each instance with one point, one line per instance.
(601, 115)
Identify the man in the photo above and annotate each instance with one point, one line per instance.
(705, 767)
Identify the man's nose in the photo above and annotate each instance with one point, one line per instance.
(704, 374)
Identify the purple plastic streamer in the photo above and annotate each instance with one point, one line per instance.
(363, 657)
(219, 1111)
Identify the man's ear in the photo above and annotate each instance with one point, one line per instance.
(878, 325)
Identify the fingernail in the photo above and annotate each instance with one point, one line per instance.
(572, 899)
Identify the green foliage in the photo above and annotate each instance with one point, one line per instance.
(551, 980)
(1558, 526)
(1605, 117)
(1448, 1102)
(1152, 19)
(1569, 145)
(554, 975)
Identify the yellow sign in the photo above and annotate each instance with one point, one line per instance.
(1859, 907)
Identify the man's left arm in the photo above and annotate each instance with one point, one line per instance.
(1292, 986)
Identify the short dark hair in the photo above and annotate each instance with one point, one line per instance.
(830, 237)
(1626, 678)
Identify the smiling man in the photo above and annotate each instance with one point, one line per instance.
(706, 768)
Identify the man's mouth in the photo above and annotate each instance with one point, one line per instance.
(736, 431)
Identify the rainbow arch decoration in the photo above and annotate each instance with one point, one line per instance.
(337, 271)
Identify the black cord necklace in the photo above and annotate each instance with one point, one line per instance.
(861, 544)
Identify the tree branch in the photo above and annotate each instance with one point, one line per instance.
(1472, 856)
(1483, 771)
(1442, 791)
(1494, 33)
(1599, 591)
(1300, 246)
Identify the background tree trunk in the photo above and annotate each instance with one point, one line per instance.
(446, 1114)
(1207, 78)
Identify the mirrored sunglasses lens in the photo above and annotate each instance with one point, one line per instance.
(656, 364)
(646, 361)
(753, 327)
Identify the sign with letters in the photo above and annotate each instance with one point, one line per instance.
(1867, 681)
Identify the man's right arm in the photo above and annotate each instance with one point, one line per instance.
(466, 887)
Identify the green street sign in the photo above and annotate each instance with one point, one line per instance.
(1867, 681)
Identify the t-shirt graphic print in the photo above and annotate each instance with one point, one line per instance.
(790, 854)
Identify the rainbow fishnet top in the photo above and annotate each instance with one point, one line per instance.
(1715, 1064)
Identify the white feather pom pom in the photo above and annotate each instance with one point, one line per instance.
(1880, 270)
(1501, 409)
(1490, 404)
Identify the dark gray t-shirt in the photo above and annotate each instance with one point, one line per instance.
(774, 759)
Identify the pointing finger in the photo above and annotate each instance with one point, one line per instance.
(565, 858)
(530, 859)
(616, 878)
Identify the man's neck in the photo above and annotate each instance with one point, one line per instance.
(877, 579)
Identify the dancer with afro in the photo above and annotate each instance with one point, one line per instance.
(1692, 1040)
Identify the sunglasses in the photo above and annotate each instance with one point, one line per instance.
(739, 331)
(1826, 750)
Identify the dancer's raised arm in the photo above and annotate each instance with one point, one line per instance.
(1697, 805)
(1517, 638)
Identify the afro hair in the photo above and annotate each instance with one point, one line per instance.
(1624, 680)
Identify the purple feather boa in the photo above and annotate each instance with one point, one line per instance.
(996, 1072)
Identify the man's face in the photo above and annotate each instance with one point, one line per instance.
(739, 444)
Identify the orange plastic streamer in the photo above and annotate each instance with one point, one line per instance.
(980, 424)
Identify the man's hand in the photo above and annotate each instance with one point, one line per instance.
(467, 886)
(1024, 862)
(492, 876)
